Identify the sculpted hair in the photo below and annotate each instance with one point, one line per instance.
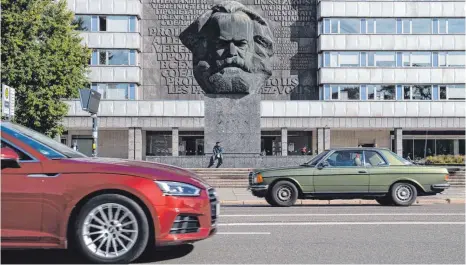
(195, 39)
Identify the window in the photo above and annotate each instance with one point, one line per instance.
(106, 23)
(385, 26)
(349, 26)
(423, 148)
(345, 92)
(297, 140)
(372, 158)
(191, 143)
(456, 59)
(461, 147)
(82, 22)
(442, 26)
(158, 143)
(40, 142)
(381, 92)
(115, 91)
(341, 59)
(422, 92)
(421, 59)
(391, 26)
(456, 26)
(371, 92)
(417, 92)
(349, 59)
(421, 26)
(334, 91)
(384, 59)
(22, 155)
(443, 92)
(345, 159)
(113, 57)
(342, 26)
(103, 23)
(407, 92)
(444, 147)
(456, 92)
(334, 26)
(406, 26)
(442, 59)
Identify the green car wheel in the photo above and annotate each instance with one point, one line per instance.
(403, 194)
(284, 194)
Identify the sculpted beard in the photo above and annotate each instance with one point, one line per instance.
(233, 74)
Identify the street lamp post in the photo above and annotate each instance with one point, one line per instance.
(90, 101)
(94, 135)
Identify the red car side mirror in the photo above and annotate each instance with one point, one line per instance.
(10, 158)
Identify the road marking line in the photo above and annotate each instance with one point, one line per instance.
(344, 214)
(342, 223)
(243, 233)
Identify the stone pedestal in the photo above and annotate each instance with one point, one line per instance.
(234, 120)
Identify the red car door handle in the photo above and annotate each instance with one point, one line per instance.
(47, 175)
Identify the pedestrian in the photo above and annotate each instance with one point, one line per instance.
(217, 154)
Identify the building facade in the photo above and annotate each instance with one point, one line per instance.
(346, 73)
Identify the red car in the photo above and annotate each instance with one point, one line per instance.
(110, 210)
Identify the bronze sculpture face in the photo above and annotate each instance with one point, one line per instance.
(232, 48)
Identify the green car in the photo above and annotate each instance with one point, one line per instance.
(349, 173)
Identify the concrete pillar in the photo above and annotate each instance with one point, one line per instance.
(320, 140)
(456, 147)
(314, 142)
(399, 141)
(284, 141)
(175, 142)
(69, 138)
(326, 138)
(135, 143)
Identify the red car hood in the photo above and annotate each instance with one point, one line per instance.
(152, 170)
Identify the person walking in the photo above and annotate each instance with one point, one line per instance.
(217, 154)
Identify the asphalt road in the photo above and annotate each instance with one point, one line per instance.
(313, 234)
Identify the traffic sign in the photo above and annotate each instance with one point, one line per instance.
(8, 101)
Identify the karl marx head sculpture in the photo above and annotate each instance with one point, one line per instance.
(232, 48)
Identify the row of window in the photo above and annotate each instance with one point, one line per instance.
(392, 59)
(392, 92)
(96, 23)
(416, 149)
(116, 91)
(113, 57)
(392, 26)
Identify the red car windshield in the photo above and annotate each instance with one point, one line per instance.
(40, 142)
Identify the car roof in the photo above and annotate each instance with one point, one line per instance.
(355, 148)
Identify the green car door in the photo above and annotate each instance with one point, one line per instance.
(382, 174)
(342, 172)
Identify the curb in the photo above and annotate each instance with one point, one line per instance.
(341, 202)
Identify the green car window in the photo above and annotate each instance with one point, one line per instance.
(373, 159)
(394, 159)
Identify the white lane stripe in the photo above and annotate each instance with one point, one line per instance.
(344, 214)
(342, 223)
(243, 233)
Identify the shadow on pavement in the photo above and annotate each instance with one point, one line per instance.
(310, 205)
(68, 257)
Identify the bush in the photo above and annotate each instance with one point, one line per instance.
(445, 159)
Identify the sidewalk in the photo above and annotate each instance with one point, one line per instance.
(235, 196)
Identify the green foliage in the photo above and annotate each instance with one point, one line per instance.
(445, 159)
(43, 59)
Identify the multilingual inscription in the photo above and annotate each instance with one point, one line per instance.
(295, 60)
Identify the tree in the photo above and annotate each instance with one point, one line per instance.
(43, 59)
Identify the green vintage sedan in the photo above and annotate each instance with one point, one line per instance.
(349, 173)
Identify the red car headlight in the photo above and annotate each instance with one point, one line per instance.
(172, 188)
